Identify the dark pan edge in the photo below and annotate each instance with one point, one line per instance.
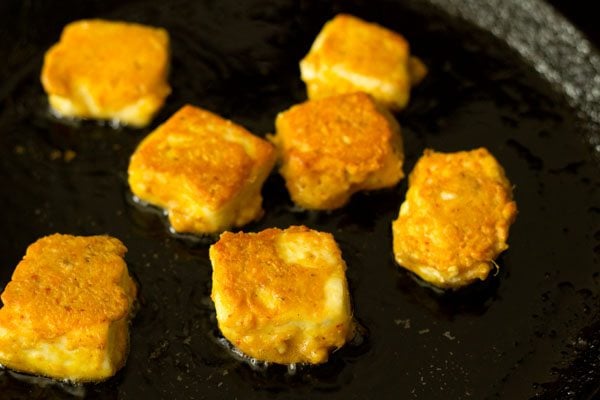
(557, 50)
(562, 55)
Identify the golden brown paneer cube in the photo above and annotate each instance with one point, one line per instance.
(281, 295)
(333, 147)
(455, 219)
(66, 309)
(108, 70)
(205, 171)
(351, 55)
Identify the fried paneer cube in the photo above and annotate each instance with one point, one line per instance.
(333, 147)
(205, 171)
(351, 55)
(66, 309)
(281, 295)
(109, 71)
(455, 219)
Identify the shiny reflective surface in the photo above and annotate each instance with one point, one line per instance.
(529, 330)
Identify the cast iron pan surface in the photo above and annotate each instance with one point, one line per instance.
(531, 331)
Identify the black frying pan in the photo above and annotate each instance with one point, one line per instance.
(530, 331)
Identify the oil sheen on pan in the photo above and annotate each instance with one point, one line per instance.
(530, 331)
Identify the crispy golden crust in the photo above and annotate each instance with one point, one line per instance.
(205, 170)
(455, 219)
(108, 70)
(281, 295)
(352, 55)
(334, 147)
(66, 309)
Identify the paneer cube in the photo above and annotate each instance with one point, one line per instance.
(108, 70)
(281, 295)
(351, 55)
(455, 219)
(67, 308)
(333, 147)
(205, 171)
